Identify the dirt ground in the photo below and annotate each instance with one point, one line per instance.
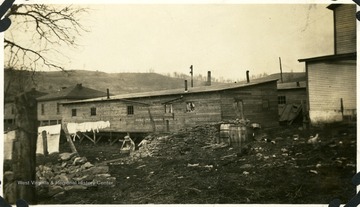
(278, 166)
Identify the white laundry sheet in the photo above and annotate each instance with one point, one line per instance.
(87, 126)
(8, 144)
(53, 139)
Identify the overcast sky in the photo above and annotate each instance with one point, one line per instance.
(227, 39)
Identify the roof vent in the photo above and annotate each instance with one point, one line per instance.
(247, 77)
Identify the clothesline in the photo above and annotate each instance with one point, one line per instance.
(87, 126)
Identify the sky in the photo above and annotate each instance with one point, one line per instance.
(227, 39)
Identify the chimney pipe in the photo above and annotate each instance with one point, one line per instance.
(186, 86)
(108, 93)
(209, 78)
(247, 76)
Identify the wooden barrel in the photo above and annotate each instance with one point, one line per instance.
(237, 135)
(224, 133)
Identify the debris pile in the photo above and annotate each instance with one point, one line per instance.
(179, 143)
(71, 173)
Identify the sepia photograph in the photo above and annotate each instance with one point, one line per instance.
(179, 103)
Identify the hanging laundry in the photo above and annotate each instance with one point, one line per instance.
(9, 138)
(53, 139)
(87, 126)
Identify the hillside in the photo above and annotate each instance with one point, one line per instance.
(117, 83)
(287, 77)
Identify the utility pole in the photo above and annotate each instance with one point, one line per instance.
(281, 75)
(191, 72)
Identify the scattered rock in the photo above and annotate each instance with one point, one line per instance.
(54, 189)
(64, 164)
(87, 165)
(313, 171)
(84, 178)
(66, 156)
(61, 179)
(246, 166)
(79, 160)
(101, 169)
(59, 195)
(75, 187)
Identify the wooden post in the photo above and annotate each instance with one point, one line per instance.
(342, 109)
(24, 150)
(44, 137)
(304, 112)
(94, 135)
(192, 74)
(68, 138)
(152, 120)
(281, 74)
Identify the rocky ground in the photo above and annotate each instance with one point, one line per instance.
(277, 166)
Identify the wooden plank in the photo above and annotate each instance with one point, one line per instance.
(69, 140)
(98, 139)
(44, 138)
(92, 140)
(115, 140)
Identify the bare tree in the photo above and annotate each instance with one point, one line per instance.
(43, 27)
(30, 43)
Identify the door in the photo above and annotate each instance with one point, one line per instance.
(167, 126)
(239, 108)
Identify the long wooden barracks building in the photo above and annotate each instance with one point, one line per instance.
(172, 110)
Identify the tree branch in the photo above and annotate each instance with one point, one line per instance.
(38, 55)
(52, 25)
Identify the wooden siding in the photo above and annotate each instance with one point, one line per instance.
(345, 28)
(149, 113)
(152, 117)
(328, 82)
(293, 96)
(259, 104)
(50, 110)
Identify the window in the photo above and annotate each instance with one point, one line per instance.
(57, 108)
(281, 99)
(73, 112)
(130, 110)
(190, 106)
(53, 122)
(42, 109)
(168, 108)
(93, 111)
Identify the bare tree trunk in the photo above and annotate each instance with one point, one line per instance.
(24, 151)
